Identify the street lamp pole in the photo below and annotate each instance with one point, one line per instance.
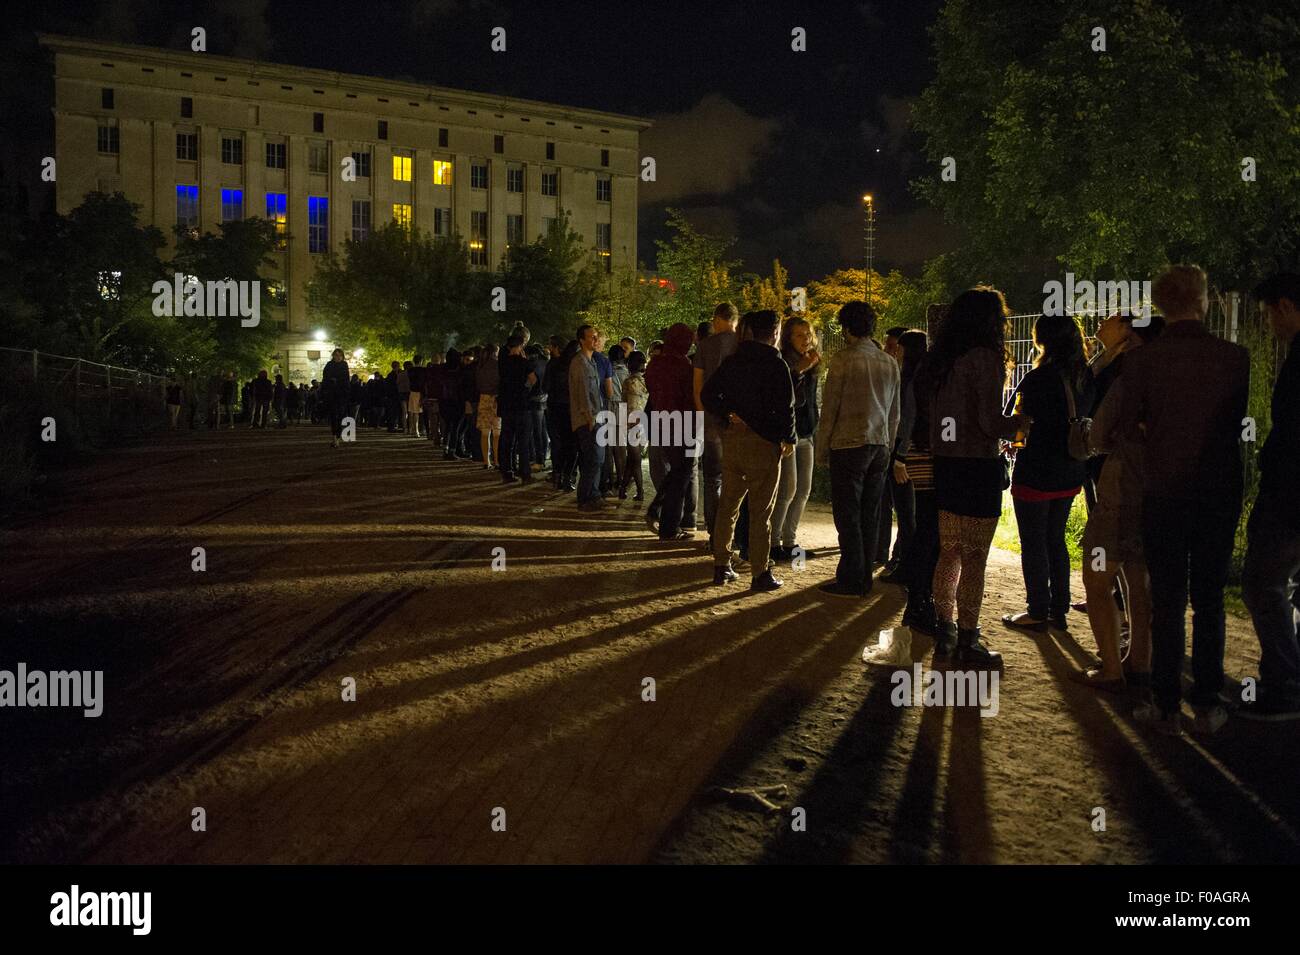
(869, 237)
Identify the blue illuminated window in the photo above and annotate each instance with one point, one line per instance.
(318, 227)
(187, 207)
(232, 205)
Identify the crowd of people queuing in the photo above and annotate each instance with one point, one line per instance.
(1149, 424)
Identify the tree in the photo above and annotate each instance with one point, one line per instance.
(896, 299)
(89, 277)
(631, 304)
(399, 291)
(549, 283)
(696, 264)
(238, 251)
(1111, 164)
(771, 292)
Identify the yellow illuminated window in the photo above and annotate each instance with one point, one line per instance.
(402, 168)
(402, 215)
(441, 172)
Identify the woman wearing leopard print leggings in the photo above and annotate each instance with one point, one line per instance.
(970, 364)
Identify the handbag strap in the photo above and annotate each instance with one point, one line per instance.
(1071, 411)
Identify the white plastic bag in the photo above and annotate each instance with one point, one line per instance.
(894, 648)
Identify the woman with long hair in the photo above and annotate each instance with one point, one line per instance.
(900, 489)
(966, 427)
(1112, 539)
(1046, 477)
(799, 349)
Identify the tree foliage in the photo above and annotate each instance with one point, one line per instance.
(1111, 164)
(81, 284)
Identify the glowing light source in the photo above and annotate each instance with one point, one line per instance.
(358, 352)
(319, 335)
(867, 198)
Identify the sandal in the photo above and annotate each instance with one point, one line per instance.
(1022, 621)
(1092, 677)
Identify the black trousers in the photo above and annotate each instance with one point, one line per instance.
(857, 483)
(917, 567)
(1044, 557)
(564, 446)
(679, 485)
(516, 444)
(1188, 549)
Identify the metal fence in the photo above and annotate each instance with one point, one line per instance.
(78, 377)
(1232, 317)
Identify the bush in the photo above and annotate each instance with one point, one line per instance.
(82, 426)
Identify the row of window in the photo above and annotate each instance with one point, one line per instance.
(107, 101)
(232, 209)
(232, 152)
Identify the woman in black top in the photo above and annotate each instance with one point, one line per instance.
(1046, 478)
(334, 391)
(799, 349)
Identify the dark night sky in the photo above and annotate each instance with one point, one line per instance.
(754, 140)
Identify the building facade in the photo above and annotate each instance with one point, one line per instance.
(197, 139)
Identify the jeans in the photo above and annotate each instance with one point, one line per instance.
(1044, 558)
(712, 473)
(1185, 540)
(591, 458)
(857, 482)
(516, 448)
(538, 426)
(1270, 585)
(261, 412)
(904, 500)
(794, 486)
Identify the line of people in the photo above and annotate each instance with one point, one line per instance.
(1150, 428)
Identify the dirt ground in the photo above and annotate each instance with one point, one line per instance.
(516, 695)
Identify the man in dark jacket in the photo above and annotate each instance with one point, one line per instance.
(752, 391)
(1185, 399)
(1271, 581)
(334, 393)
(279, 400)
(670, 381)
(515, 385)
(263, 390)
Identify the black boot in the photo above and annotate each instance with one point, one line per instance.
(919, 613)
(945, 639)
(970, 651)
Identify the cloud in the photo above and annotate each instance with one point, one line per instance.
(708, 150)
(892, 130)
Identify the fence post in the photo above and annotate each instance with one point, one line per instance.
(108, 383)
(36, 365)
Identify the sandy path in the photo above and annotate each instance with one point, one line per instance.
(522, 689)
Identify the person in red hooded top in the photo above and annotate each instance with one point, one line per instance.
(670, 379)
